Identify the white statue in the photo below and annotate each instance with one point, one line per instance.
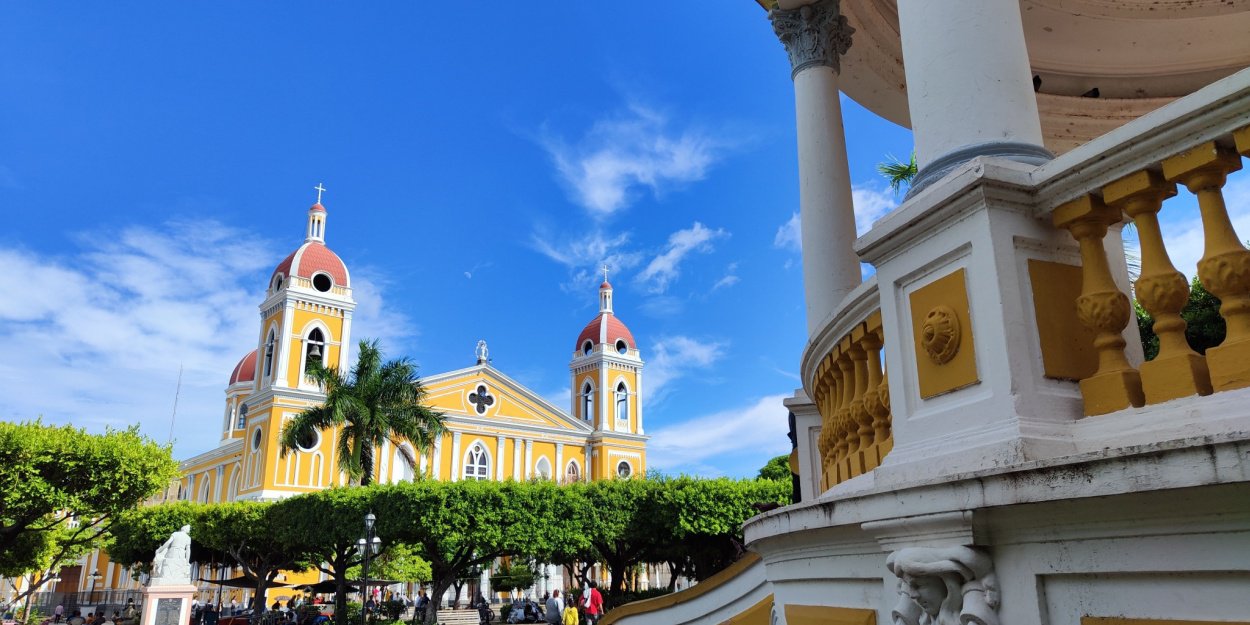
(483, 354)
(944, 586)
(172, 564)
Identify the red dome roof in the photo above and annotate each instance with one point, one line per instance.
(245, 371)
(313, 257)
(317, 208)
(605, 329)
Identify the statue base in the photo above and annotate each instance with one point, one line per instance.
(167, 605)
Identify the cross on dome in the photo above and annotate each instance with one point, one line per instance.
(605, 273)
(320, 189)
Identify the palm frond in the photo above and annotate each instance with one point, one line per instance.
(898, 173)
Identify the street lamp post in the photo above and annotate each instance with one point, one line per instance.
(368, 546)
(94, 577)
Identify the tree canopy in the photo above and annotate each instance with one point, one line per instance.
(1204, 327)
(777, 468)
(374, 403)
(61, 490)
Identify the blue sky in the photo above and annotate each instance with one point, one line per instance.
(157, 159)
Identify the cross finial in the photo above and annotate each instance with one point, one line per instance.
(605, 272)
(320, 189)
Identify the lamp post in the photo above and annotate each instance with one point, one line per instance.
(94, 577)
(368, 546)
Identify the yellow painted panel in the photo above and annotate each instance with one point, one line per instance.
(929, 304)
(1121, 620)
(758, 614)
(828, 615)
(1067, 344)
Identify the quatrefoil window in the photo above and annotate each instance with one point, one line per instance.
(482, 399)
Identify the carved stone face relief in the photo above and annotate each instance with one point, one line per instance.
(940, 334)
(944, 586)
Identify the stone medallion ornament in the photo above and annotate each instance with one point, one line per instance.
(172, 564)
(944, 586)
(940, 334)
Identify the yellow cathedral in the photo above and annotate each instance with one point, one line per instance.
(496, 428)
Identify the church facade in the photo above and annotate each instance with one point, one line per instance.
(496, 428)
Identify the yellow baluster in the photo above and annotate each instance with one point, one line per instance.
(1102, 307)
(846, 381)
(1177, 371)
(861, 421)
(1225, 265)
(872, 401)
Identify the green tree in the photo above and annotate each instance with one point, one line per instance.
(1204, 327)
(375, 403)
(326, 525)
(776, 469)
(137, 533)
(625, 525)
(457, 526)
(61, 490)
(247, 532)
(898, 173)
(513, 575)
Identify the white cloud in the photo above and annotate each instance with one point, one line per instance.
(871, 203)
(585, 256)
(672, 357)
(666, 267)
(1182, 228)
(737, 441)
(96, 337)
(627, 152)
(729, 279)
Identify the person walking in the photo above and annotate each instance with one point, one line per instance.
(592, 603)
(570, 614)
(58, 612)
(555, 608)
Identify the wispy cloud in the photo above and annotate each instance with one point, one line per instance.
(1182, 227)
(96, 337)
(629, 152)
(673, 357)
(585, 255)
(732, 439)
(729, 279)
(871, 202)
(666, 267)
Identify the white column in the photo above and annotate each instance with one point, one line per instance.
(807, 424)
(345, 341)
(283, 343)
(516, 460)
(529, 458)
(969, 85)
(438, 457)
(815, 36)
(586, 466)
(499, 458)
(455, 456)
(557, 472)
(638, 381)
(221, 472)
(605, 398)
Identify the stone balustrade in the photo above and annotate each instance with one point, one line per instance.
(1224, 270)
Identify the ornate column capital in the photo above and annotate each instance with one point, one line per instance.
(813, 34)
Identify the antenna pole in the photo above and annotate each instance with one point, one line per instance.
(172, 417)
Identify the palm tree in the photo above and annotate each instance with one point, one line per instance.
(898, 173)
(375, 403)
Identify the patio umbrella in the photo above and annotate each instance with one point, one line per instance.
(243, 581)
(325, 587)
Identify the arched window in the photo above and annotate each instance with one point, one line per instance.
(623, 469)
(572, 474)
(543, 469)
(622, 402)
(314, 349)
(588, 401)
(268, 371)
(476, 464)
(242, 417)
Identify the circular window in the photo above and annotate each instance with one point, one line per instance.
(256, 439)
(621, 346)
(322, 282)
(587, 346)
(623, 469)
(309, 441)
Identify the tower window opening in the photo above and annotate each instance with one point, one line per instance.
(588, 402)
(322, 282)
(269, 355)
(623, 469)
(242, 417)
(476, 464)
(314, 349)
(309, 441)
(621, 346)
(587, 347)
(622, 402)
(256, 439)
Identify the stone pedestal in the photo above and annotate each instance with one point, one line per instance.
(167, 605)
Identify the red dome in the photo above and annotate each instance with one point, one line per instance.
(245, 371)
(313, 257)
(605, 329)
(317, 208)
